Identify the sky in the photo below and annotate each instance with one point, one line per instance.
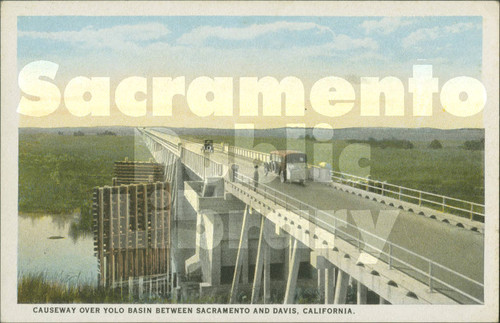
(309, 48)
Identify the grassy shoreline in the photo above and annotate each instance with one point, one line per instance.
(36, 289)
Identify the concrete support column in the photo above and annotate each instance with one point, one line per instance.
(241, 266)
(321, 284)
(287, 255)
(177, 258)
(341, 288)
(212, 234)
(329, 284)
(292, 273)
(361, 294)
(267, 273)
(244, 261)
(325, 277)
(259, 263)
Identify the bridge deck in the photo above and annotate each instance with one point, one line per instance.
(453, 247)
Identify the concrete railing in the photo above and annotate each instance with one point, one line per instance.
(473, 211)
(435, 275)
(251, 154)
(451, 205)
(155, 142)
(201, 165)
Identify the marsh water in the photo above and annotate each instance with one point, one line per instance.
(48, 246)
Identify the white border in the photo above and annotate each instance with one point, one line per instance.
(11, 311)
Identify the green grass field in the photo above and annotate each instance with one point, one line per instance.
(57, 173)
(35, 289)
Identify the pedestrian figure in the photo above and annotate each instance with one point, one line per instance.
(234, 172)
(255, 177)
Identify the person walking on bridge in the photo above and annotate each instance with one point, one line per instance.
(255, 177)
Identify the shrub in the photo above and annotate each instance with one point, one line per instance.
(435, 144)
(474, 144)
(385, 143)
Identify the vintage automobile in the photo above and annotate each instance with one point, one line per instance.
(290, 165)
(208, 146)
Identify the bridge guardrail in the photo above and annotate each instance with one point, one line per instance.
(394, 256)
(162, 141)
(463, 208)
(474, 211)
(252, 154)
(199, 164)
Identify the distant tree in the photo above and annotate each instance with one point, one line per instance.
(106, 133)
(435, 144)
(406, 144)
(474, 144)
(385, 143)
(60, 133)
(78, 133)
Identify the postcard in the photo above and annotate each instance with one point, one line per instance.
(249, 161)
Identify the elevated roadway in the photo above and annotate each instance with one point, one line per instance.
(459, 251)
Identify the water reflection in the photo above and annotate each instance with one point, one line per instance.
(76, 232)
(69, 259)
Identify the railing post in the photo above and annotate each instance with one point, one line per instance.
(419, 198)
(430, 276)
(471, 211)
(399, 194)
(442, 204)
(390, 255)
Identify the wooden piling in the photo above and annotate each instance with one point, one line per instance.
(132, 235)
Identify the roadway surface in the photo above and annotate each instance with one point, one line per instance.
(458, 249)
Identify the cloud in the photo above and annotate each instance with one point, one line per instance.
(113, 37)
(425, 34)
(344, 42)
(200, 34)
(337, 42)
(385, 25)
(419, 35)
(461, 27)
